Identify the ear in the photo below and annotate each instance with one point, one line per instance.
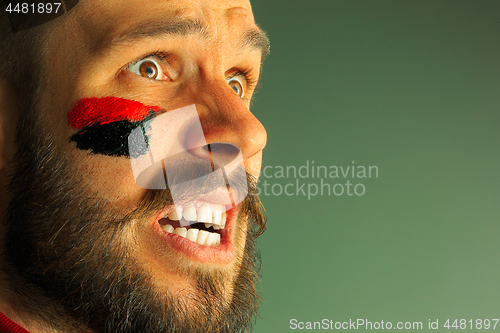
(8, 123)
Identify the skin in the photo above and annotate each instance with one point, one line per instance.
(82, 59)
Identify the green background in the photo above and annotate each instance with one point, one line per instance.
(412, 87)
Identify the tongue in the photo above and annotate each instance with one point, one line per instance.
(175, 224)
(185, 224)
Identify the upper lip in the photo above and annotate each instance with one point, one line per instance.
(220, 196)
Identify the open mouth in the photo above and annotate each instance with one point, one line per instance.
(203, 225)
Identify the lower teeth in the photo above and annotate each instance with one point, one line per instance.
(201, 237)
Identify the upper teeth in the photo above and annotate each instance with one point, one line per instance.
(211, 215)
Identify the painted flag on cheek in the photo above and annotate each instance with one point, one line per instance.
(104, 124)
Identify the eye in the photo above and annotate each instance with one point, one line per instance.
(236, 84)
(149, 69)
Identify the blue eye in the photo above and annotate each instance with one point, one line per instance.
(149, 69)
(236, 84)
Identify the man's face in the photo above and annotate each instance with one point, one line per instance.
(168, 55)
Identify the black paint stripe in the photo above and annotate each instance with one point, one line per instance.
(107, 139)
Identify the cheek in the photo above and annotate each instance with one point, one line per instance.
(109, 178)
(103, 126)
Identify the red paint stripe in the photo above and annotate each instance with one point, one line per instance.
(90, 111)
(8, 326)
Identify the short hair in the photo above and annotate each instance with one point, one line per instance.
(21, 58)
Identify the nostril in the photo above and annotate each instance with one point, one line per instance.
(222, 153)
(222, 148)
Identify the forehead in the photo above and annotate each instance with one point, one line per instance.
(106, 21)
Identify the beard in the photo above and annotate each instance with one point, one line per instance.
(71, 258)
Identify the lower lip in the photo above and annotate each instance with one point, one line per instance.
(219, 254)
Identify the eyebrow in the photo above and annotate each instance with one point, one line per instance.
(180, 27)
(253, 38)
(256, 39)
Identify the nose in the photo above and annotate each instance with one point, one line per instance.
(230, 139)
(228, 126)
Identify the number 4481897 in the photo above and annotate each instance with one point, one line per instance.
(479, 324)
(33, 8)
